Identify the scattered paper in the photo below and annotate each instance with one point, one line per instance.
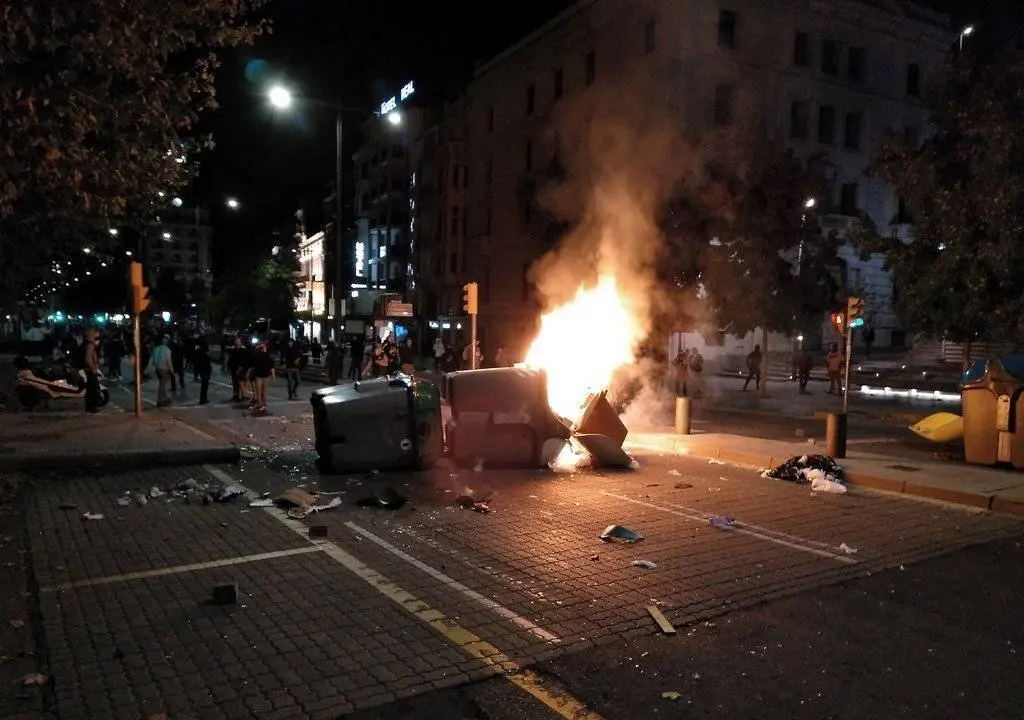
(34, 679)
(92, 516)
(847, 549)
(671, 695)
(645, 564)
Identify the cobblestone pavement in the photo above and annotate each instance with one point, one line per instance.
(395, 604)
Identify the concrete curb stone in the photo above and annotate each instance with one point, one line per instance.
(123, 459)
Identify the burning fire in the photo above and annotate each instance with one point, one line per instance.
(582, 344)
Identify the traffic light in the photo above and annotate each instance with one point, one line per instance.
(469, 298)
(854, 310)
(140, 293)
(838, 320)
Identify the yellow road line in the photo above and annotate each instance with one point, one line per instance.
(554, 697)
(177, 569)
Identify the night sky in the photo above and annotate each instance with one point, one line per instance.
(362, 52)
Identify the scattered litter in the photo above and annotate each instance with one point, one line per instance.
(227, 494)
(595, 557)
(670, 695)
(68, 506)
(659, 617)
(388, 500)
(722, 521)
(295, 497)
(307, 510)
(799, 432)
(226, 594)
(683, 486)
(674, 472)
(16, 624)
(34, 679)
(645, 564)
(155, 492)
(478, 466)
(92, 516)
(187, 484)
(843, 547)
(467, 502)
(124, 502)
(713, 461)
(820, 470)
(617, 532)
(140, 500)
(263, 502)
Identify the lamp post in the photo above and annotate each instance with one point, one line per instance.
(964, 33)
(281, 97)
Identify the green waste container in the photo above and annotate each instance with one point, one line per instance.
(387, 423)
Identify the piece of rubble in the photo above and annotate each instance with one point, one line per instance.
(659, 617)
(622, 534)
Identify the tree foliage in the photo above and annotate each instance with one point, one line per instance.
(961, 276)
(734, 237)
(267, 291)
(98, 105)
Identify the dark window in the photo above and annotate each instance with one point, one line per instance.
(490, 119)
(727, 28)
(453, 263)
(490, 170)
(559, 83)
(530, 98)
(487, 220)
(855, 63)
(650, 35)
(829, 57)
(465, 176)
(910, 136)
(529, 154)
(913, 79)
(526, 281)
(851, 132)
(902, 214)
(463, 263)
(801, 49)
(798, 120)
(848, 199)
(455, 175)
(590, 68)
(723, 103)
(827, 124)
(485, 286)
(455, 222)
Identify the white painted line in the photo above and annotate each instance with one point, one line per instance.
(454, 584)
(178, 569)
(793, 542)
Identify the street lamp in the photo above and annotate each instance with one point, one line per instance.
(233, 204)
(395, 117)
(280, 97)
(809, 203)
(964, 33)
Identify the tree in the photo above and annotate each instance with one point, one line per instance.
(98, 103)
(169, 292)
(266, 291)
(958, 274)
(766, 263)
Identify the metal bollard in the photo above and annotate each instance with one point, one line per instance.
(835, 434)
(683, 415)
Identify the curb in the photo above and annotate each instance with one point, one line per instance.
(992, 502)
(134, 459)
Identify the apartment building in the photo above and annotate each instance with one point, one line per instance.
(834, 76)
(179, 240)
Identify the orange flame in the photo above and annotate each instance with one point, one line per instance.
(582, 343)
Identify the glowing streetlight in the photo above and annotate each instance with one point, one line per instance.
(177, 202)
(87, 250)
(233, 204)
(395, 118)
(964, 33)
(809, 203)
(167, 236)
(280, 97)
(112, 231)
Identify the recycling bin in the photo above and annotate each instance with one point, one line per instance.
(500, 416)
(993, 416)
(387, 423)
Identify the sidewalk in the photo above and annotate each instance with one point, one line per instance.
(63, 439)
(975, 486)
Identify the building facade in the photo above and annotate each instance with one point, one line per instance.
(179, 241)
(832, 76)
(311, 299)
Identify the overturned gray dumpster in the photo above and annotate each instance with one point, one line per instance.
(387, 423)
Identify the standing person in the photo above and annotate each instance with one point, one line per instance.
(696, 368)
(356, 351)
(438, 353)
(202, 367)
(114, 352)
(803, 363)
(834, 365)
(160, 361)
(235, 363)
(332, 361)
(869, 339)
(316, 350)
(754, 360)
(681, 372)
(263, 374)
(92, 370)
(407, 356)
(292, 366)
(177, 348)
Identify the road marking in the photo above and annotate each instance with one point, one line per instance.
(793, 542)
(131, 393)
(178, 569)
(454, 584)
(544, 690)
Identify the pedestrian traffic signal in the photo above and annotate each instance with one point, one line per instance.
(140, 299)
(838, 320)
(469, 298)
(854, 309)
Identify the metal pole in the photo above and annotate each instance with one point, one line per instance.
(339, 228)
(137, 333)
(846, 372)
(472, 341)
